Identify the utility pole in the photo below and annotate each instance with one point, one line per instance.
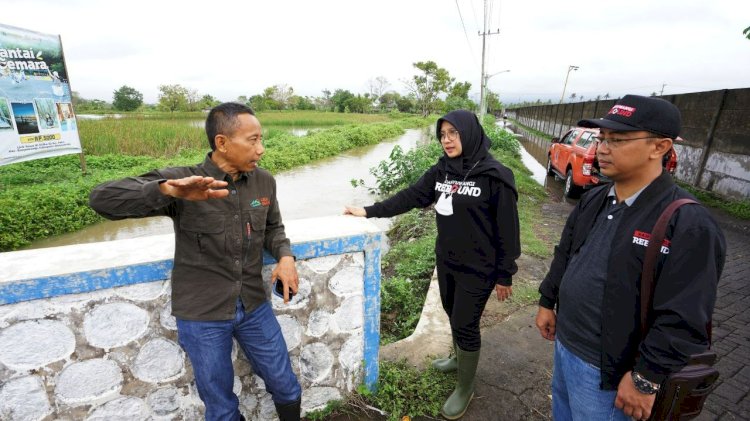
(662, 89)
(484, 34)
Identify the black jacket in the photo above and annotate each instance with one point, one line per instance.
(481, 237)
(688, 271)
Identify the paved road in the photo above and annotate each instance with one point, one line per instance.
(731, 400)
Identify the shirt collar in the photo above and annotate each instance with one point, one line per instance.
(214, 171)
(629, 201)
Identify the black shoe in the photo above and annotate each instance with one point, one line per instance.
(289, 411)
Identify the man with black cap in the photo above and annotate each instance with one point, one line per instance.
(590, 299)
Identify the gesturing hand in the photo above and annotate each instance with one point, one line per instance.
(194, 187)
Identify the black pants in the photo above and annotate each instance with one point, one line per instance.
(464, 297)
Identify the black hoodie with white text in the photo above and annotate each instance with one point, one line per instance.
(476, 211)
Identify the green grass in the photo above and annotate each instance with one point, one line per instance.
(140, 136)
(48, 197)
(525, 293)
(165, 134)
(739, 208)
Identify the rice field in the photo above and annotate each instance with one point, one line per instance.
(167, 134)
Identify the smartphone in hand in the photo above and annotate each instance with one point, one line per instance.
(278, 290)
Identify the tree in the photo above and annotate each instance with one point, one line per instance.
(460, 90)
(207, 102)
(746, 32)
(340, 99)
(406, 104)
(277, 97)
(242, 99)
(493, 102)
(606, 96)
(453, 103)
(427, 86)
(127, 99)
(573, 96)
(173, 97)
(83, 105)
(458, 98)
(377, 87)
(192, 100)
(388, 101)
(258, 103)
(359, 104)
(303, 103)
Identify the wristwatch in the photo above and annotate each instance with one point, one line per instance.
(643, 385)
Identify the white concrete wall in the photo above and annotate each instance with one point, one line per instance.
(113, 352)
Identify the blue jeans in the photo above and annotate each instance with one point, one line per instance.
(575, 391)
(208, 344)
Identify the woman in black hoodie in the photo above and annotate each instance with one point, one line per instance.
(478, 237)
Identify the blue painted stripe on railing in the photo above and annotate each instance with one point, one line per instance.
(372, 311)
(76, 283)
(81, 282)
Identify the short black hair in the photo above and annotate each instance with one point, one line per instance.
(223, 120)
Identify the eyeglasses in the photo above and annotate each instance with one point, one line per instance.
(614, 142)
(452, 134)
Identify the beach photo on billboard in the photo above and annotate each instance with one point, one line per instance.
(25, 116)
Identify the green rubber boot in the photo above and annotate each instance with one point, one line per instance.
(446, 365)
(455, 407)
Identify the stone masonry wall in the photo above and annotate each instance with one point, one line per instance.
(113, 353)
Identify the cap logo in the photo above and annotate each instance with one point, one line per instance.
(622, 110)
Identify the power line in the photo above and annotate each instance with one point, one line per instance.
(471, 50)
(476, 21)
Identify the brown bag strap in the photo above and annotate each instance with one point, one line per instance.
(649, 262)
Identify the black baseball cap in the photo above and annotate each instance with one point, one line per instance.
(635, 112)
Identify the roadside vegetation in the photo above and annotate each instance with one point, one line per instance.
(48, 197)
(739, 208)
(407, 270)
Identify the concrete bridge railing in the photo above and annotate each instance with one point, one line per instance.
(86, 330)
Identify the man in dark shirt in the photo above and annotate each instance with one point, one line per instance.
(225, 213)
(603, 369)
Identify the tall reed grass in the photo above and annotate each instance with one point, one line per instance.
(167, 134)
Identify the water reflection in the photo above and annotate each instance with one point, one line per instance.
(322, 188)
(536, 148)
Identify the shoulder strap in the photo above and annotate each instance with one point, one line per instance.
(649, 262)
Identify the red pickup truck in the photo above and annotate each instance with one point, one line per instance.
(573, 158)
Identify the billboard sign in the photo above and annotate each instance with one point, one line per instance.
(36, 110)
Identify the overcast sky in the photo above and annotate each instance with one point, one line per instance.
(227, 48)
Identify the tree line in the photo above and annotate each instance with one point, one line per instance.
(430, 90)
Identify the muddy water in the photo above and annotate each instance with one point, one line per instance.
(534, 155)
(322, 188)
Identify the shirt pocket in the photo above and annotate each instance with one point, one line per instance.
(258, 218)
(202, 240)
